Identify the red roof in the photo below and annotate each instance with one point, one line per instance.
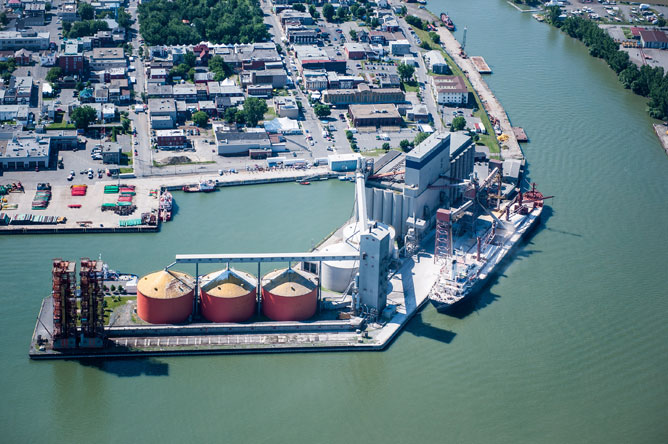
(653, 36)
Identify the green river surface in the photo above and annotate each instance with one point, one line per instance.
(567, 345)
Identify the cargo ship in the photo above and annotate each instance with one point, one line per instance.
(445, 18)
(202, 187)
(471, 260)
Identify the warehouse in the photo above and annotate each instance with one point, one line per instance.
(379, 115)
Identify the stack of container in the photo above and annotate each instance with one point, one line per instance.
(127, 193)
(41, 199)
(110, 189)
(78, 190)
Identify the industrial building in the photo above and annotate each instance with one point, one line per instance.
(363, 95)
(410, 187)
(228, 296)
(165, 297)
(381, 115)
(30, 40)
(289, 295)
(238, 143)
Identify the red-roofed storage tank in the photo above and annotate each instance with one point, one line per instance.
(228, 296)
(165, 297)
(289, 295)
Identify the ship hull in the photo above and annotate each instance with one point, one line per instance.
(481, 283)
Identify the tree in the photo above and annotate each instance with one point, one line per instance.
(200, 118)
(434, 37)
(180, 71)
(353, 34)
(234, 115)
(349, 135)
(314, 12)
(375, 22)
(299, 7)
(125, 123)
(86, 11)
(405, 145)
(458, 124)
(328, 11)
(190, 59)
(553, 13)
(342, 13)
(123, 18)
(321, 110)
(54, 74)
(420, 138)
(415, 21)
(219, 68)
(386, 146)
(425, 45)
(254, 110)
(83, 116)
(405, 71)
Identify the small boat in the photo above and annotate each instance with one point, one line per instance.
(202, 187)
(74, 206)
(445, 18)
(304, 182)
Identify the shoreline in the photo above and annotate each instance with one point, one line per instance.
(510, 148)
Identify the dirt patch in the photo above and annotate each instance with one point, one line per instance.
(175, 160)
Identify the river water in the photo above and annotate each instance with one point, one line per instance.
(567, 345)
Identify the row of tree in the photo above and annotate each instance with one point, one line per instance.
(179, 22)
(647, 81)
(84, 28)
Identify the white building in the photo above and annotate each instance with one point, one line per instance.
(25, 153)
(450, 90)
(30, 40)
(400, 47)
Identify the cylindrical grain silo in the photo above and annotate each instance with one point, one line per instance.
(289, 295)
(228, 296)
(337, 275)
(165, 297)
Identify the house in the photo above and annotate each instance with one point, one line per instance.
(336, 81)
(436, 62)
(450, 90)
(232, 142)
(207, 106)
(155, 90)
(400, 47)
(287, 107)
(171, 139)
(158, 75)
(23, 57)
(653, 38)
(101, 94)
(106, 112)
(21, 88)
(47, 58)
(355, 51)
(381, 115)
(19, 113)
(259, 90)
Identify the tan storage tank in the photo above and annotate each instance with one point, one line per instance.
(228, 296)
(289, 295)
(165, 297)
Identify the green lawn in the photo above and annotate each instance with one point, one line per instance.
(113, 303)
(411, 86)
(60, 126)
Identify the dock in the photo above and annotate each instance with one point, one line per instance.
(83, 214)
(520, 135)
(410, 286)
(481, 65)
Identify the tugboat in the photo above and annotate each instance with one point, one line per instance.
(165, 206)
(202, 187)
(447, 22)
